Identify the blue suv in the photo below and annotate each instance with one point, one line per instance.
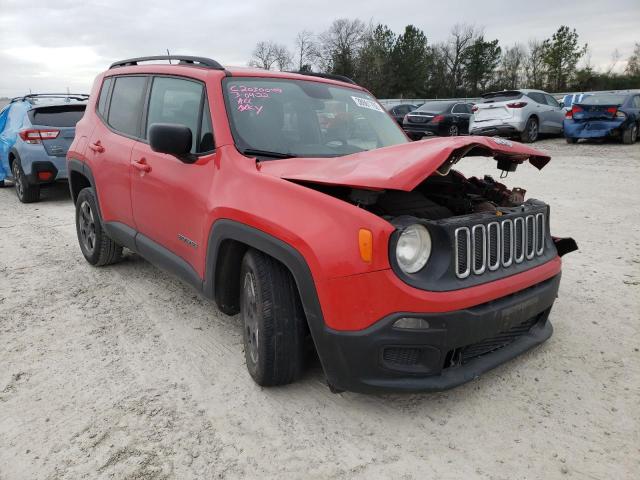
(35, 134)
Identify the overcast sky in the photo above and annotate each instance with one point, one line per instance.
(49, 46)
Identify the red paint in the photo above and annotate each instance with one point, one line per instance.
(162, 197)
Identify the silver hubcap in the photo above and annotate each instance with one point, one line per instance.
(17, 179)
(453, 130)
(533, 130)
(87, 227)
(250, 310)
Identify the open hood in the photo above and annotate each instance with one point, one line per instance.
(404, 166)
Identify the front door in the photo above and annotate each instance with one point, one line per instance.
(170, 196)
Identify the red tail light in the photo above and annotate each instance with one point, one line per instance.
(516, 105)
(36, 136)
(437, 119)
(613, 110)
(474, 109)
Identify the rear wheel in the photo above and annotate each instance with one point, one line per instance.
(630, 135)
(97, 247)
(571, 140)
(453, 131)
(273, 321)
(26, 192)
(530, 133)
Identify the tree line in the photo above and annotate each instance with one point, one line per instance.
(466, 64)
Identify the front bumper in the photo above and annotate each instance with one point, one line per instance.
(457, 347)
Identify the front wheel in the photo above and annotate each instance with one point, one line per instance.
(273, 320)
(26, 192)
(97, 247)
(630, 134)
(530, 133)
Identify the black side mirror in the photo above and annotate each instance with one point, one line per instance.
(561, 104)
(173, 139)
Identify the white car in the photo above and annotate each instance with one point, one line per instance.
(524, 113)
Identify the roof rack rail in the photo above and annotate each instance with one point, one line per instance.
(34, 96)
(330, 76)
(181, 59)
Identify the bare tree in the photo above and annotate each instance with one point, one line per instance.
(340, 44)
(512, 66)
(460, 38)
(534, 66)
(306, 50)
(269, 54)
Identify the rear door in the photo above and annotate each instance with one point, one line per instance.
(170, 196)
(110, 145)
(57, 118)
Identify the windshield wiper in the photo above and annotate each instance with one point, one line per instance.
(265, 153)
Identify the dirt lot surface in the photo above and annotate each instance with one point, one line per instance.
(124, 372)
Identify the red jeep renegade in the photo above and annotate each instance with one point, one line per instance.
(297, 201)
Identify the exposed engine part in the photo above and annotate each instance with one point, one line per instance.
(364, 197)
(394, 203)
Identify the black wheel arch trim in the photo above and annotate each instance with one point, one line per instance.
(226, 229)
(75, 165)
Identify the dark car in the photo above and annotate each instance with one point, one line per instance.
(399, 111)
(604, 115)
(443, 118)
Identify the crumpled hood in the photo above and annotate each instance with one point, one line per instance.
(400, 167)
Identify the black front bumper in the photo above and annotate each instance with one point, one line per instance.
(457, 347)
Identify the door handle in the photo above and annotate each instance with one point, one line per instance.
(96, 147)
(142, 165)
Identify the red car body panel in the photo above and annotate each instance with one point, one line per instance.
(174, 196)
(399, 167)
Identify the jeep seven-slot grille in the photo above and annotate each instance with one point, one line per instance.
(482, 248)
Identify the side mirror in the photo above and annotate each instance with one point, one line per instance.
(561, 104)
(171, 138)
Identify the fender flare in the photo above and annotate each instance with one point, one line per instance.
(226, 229)
(75, 165)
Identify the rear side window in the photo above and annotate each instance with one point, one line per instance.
(537, 97)
(636, 101)
(57, 116)
(126, 104)
(460, 108)
(175, 100)
(104, 93)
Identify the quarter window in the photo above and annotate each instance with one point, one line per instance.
(178, 101)
(126, 104)
(104, 94)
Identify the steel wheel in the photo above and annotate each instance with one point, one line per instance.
(87, 227)
(250, 309)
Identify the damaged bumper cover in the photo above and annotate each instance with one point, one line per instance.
(593, 128)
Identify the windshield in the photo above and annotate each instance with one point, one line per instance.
(280, 118)
(603, 100)
(434, 107)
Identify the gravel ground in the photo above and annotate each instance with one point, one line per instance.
(124, 372)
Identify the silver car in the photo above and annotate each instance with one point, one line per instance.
(524, 113)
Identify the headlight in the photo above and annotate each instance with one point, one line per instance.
(413, 248)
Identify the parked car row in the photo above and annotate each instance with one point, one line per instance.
(525, 114)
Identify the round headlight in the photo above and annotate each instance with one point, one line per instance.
(413, 248)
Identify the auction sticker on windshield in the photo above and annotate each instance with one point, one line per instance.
(365, 103)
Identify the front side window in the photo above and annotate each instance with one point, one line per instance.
(285, 118)
(126, 104)
(552, 101)
(175, 100)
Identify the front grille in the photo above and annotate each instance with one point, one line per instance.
(502, 339)
(482, 248)
(401, 355)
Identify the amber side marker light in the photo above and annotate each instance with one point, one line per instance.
(365, 242)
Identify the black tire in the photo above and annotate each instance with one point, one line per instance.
(630, 134)
(97, 247)
(453, 131)
(571, 140)
(273, 321)
(530, 133)
(26, 192)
